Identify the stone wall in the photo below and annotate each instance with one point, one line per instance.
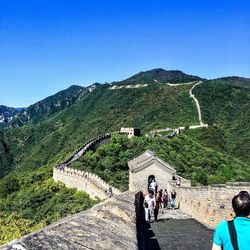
(138, 181)
(88, 145)
(209, 204)
(108, 225)
(83, 181)
(131, 131)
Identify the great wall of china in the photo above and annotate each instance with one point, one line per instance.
(114, 219)
(82, 180)
(209, 204)
(111, 224)
(90, 183)
(213, 203)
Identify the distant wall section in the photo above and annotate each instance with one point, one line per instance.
(131, 131)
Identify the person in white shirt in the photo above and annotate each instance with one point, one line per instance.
(153, 186)
(149, 203)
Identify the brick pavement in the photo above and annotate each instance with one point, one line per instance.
(174, 230)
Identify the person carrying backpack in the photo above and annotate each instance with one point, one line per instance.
(235, 234)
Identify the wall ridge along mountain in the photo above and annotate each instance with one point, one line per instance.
(82, 180)
(193, 83)
(198, 106)
(91, 183)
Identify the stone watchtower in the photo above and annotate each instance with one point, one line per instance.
(131, 131)
(145, 166)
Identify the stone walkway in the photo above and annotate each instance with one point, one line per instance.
(174, 230)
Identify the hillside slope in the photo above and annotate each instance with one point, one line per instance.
(220, 153)
(226, 108)
(46, 107)
(159, 75)
(233, 81)
(102, 110)
(7, 114)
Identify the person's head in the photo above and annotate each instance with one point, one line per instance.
(241, 204)
(151, 192)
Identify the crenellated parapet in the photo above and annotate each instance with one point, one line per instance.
(88, 145)
(209, 204)
(84, 181)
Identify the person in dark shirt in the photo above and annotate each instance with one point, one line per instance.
(158, 205)
(173, 197)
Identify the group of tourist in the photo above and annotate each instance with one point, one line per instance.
(155, 200)
(230, 235)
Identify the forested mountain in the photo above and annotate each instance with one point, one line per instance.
(159, 75)
(47, 107)
(84, 114)
(226, 108)
(7, 114)
(55, 127)
(233, 80)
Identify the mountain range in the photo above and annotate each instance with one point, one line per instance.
(17, 117)
(35, 139)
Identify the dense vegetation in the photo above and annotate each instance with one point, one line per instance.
(48, 106)
(233, 81)
(159, 75)
(102, 110)
(29, 201)
(226, 109)
(200, 164)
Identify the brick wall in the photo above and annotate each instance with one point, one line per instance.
(209, 204)
(83, 181)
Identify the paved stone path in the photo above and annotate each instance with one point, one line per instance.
(174, 230)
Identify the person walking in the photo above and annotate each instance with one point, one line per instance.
(173, 197)
(149, 204)
(110, 192)
(165, 198)
(178, 182)
(153, 186)
(158, 205)
(235, 234)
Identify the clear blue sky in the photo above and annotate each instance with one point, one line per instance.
(48, 45)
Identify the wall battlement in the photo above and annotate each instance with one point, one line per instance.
(209, 204)
(84, 181)
(81, 180)
(88, 145)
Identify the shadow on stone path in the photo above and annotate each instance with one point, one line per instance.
(146, 238)
(173, 230)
